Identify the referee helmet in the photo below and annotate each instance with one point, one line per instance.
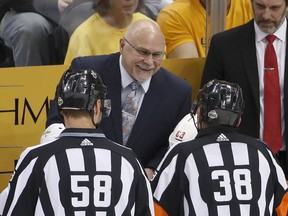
(220, 102)
(80, 90)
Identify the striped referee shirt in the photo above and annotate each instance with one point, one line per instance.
(80, 174)
(220, 173)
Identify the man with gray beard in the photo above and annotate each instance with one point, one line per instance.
(240, 55)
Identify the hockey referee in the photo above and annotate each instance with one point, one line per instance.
(81, 173)
(220, 172)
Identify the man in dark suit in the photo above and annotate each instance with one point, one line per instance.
(237, 55)
(165, 99)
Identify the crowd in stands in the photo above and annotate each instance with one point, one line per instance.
(231, 166)
(100, 33)
(38, 33)
(184, 25)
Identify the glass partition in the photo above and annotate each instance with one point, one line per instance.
(216, 11)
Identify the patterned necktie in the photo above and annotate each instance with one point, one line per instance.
(272, 134)
(130, 104)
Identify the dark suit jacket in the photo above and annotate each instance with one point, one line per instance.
(232, 57)
(166, 102)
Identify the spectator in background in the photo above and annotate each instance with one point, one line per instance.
(238, 55)
(36, 31)
(101, 32)
(221, 172)
(152, 7)
(27, 28)
(183, 23)
(73, 15)
(164, 99)
(81, 172)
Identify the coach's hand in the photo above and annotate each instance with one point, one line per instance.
(149, 173)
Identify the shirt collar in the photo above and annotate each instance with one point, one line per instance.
(126, 79)
(216, 129)
(280, 33)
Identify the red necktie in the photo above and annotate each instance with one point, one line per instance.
(272, 107)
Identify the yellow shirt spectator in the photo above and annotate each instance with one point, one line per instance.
(96, 37)
(184, 25)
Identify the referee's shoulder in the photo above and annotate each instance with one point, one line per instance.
(36, 150)
(122, 150)
(254, 142)
(187, 147)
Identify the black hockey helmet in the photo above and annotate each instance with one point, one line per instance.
(80, 89)
(221, 102)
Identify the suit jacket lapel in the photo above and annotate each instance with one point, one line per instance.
(247, 47)
(149, 104)
(112, 79)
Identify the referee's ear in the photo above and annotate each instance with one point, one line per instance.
(97, 110)
(239, 122)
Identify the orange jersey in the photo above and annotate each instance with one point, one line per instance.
(185, 21)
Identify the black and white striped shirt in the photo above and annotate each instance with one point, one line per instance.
(82, 174)
(221, 173)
